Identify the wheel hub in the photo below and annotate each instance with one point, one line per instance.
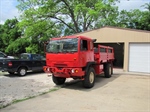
(109, 70)
(23, 72)
(91, 78)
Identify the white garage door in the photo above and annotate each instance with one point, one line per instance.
(139, 58)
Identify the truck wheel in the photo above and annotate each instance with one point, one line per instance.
(11, 73)
(58, 80)
(22, 71)
(108, 70)
(89, 80)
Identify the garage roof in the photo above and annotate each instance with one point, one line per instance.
(116, 34)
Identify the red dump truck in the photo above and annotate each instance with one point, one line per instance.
(76, 57)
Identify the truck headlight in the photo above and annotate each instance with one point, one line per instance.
(72, 71)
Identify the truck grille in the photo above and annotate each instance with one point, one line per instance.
(60, 65)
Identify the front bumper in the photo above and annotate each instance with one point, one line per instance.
(65, 72)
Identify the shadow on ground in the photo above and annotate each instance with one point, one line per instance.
(27, 75)
(99, 82)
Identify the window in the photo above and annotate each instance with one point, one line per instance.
(68, 45)
(1, 55)
(102, 50)
(110, 50)
(36, 57)
(24, 56)
(84, 45)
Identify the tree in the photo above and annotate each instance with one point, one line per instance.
(44, 19)
(11, 41)
(18, 46)
(37, 32)
(69, 16)
(1, 41)
(145, 21)
(128, 19)
(147, 6)
(134, 19)
(9, 33)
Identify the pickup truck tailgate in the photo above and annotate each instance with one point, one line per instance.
(3, 64)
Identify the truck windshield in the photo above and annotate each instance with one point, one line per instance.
(62, 45)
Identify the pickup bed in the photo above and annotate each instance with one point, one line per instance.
(27, 62)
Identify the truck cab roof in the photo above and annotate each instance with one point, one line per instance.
(65, 37)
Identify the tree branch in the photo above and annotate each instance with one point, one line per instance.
(72, 15)
(88, 24)
(63, 22)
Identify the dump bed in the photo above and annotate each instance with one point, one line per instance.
(103, 54)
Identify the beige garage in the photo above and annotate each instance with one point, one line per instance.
(132, 47)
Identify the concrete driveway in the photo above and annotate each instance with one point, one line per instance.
(123, 92)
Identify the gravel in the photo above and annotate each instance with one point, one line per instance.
(13, 87)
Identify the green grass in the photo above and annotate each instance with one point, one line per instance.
(30, 97)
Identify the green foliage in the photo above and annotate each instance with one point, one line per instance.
(1, 40)
(33, 48)
(65, 16)
(18, 46)
(9, 32)
(135, 19)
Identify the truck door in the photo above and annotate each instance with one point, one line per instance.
(86, 51)
(36, 62)
(83, 49)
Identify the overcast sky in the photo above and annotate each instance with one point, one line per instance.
(8, 8)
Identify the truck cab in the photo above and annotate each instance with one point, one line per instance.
(70, 57)
(70, 53)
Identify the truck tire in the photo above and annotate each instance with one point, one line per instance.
(89, 79)
(58, 80)
(22, 71)
(108, 70)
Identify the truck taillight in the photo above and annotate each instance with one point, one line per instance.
(44, 68)
(10, 64)
(47, 69)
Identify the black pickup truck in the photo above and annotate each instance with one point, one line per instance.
(27, 62)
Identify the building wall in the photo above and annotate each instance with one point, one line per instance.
(116, 35)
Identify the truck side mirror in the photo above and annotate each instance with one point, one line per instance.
(94, 40)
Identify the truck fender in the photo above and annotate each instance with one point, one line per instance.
(23, 66)
(89, 64)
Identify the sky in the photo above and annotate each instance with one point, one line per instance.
(8, 8)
